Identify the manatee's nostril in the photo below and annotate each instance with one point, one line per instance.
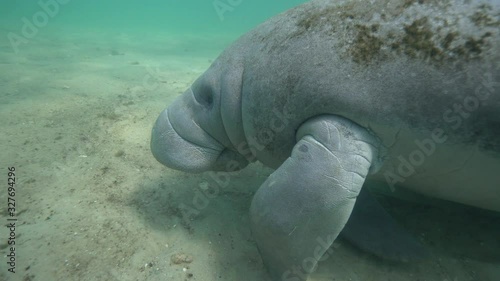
(204, 96)
(209, 98)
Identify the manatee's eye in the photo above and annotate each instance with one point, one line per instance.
(204, 95)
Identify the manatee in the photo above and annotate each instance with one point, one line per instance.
(336, 96)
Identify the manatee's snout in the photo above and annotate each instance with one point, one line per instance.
(171, 147)
(179, 142)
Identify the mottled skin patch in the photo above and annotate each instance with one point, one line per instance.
(484, 16)
(320, 18)
(367, 45)
(419, 42)
(408, 3)
(423, 37)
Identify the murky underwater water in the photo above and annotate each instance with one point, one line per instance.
(81, 83)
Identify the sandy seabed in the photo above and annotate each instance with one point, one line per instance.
(76, 111)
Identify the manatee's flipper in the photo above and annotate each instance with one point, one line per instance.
(301, 208)
(373, 230)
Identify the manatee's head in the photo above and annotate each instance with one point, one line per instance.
(190, 135)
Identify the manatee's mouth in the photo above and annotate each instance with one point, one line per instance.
(179, 143)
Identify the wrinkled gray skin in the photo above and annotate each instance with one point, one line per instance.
(338, 94)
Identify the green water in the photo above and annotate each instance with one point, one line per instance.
(232, 17)
(81, 85)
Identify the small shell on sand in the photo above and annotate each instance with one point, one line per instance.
(181, 258)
